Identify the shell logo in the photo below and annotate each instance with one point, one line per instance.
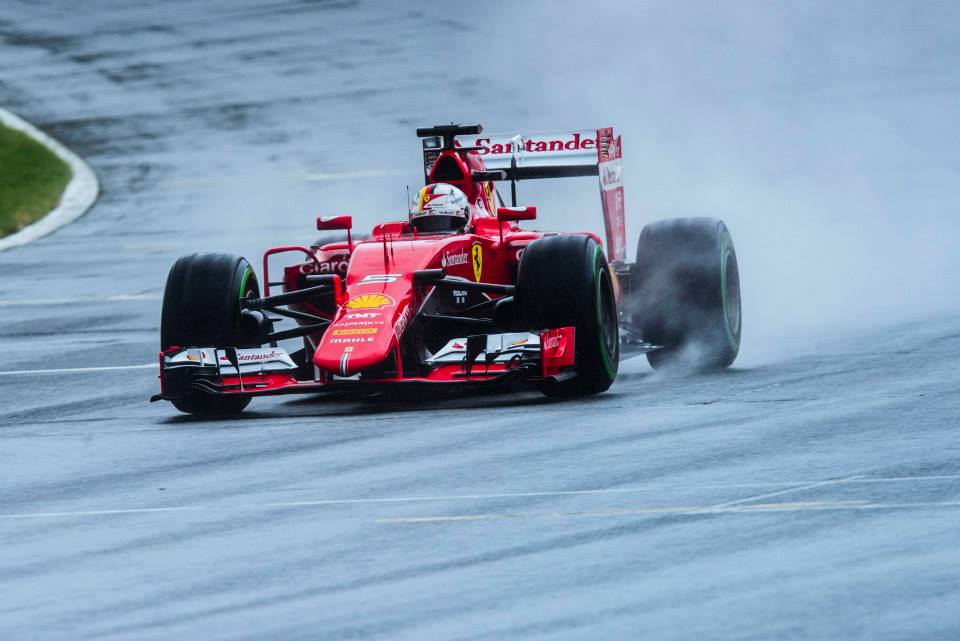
(356, 332)
(369, 301)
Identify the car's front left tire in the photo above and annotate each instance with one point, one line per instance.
(565, 281)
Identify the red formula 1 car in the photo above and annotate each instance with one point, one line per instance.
(458, 294)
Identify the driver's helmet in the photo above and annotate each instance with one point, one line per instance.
(440, 208)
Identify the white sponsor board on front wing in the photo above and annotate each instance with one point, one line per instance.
(505, 346)
(250, 360)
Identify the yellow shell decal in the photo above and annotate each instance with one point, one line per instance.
(477, 254)
(369, 301)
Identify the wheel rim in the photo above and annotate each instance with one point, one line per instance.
(731, 294)
(247, 290)
(609, 332)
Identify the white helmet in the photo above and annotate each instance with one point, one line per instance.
(440, 208)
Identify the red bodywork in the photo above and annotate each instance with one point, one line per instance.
(375, 296)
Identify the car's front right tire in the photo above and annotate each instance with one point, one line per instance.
(202, 308)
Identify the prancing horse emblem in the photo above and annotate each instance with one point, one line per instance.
(477, 253)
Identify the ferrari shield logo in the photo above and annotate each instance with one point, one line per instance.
(477, 253)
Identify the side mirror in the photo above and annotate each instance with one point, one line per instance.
(326, 223)
(337, 222)
(516, 213)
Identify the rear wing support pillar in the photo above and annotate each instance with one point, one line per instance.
(610, 168)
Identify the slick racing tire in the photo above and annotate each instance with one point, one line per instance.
(201, 308)
(565, 281)
(688, 293)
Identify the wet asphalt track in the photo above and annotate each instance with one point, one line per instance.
(810, 497)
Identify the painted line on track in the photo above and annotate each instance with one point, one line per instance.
(78, 300)
(75, 370)
(799, 488)
(304, 176)
(681, 511)
(721, 508)
(78, 196)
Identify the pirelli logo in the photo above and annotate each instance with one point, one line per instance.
(356, 332)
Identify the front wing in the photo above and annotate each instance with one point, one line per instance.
(482, 360)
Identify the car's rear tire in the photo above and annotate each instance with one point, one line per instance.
(565, 281)
(201, 308)
(687, 293)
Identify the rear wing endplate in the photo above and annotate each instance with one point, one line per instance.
(590, 152)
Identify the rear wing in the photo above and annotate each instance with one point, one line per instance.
(590, 152)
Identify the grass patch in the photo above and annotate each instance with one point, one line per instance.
(32, 179)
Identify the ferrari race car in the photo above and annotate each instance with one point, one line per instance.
(457, 295)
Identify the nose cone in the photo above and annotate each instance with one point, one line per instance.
(363, 335)
(380, 294)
